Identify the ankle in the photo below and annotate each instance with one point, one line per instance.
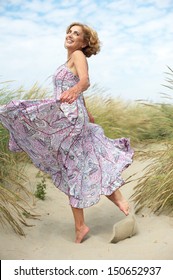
(81, 232)
(80, 226)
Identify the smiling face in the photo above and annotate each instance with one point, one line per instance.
(74, 39)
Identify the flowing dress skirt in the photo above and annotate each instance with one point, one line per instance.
(60, 140)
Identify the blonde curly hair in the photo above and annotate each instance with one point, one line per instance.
(90, 37)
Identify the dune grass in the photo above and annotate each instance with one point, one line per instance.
(155, 189)
(141, 121)
(15, 198)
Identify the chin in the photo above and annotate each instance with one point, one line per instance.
(67, 46)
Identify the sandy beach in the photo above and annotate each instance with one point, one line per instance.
(52, 236)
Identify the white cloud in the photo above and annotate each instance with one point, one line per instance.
(136, 37)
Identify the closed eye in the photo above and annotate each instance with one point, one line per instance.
(75, 32)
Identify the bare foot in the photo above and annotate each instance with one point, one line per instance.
(81, 233)
(118, 199)
(123, 206)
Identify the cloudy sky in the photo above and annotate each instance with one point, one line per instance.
(136, 36)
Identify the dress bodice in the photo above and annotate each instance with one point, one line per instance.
(63, 79)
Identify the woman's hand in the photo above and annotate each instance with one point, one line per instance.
(68, 96)
(91, 118)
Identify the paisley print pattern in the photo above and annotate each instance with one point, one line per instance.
(60, 141)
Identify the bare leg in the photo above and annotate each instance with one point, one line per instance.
(118, 199)
(80, 227)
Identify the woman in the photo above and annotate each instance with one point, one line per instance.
(61, 139)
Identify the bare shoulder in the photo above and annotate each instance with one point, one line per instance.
(78, 54)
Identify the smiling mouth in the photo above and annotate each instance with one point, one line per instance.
(69, 41)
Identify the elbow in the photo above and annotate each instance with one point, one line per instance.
(88, 84)
(84, 84)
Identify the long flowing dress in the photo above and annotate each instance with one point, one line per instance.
(60, 140)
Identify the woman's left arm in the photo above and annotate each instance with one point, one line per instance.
(91, 118)
(81, 68)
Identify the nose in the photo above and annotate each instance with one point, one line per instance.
(69, 35)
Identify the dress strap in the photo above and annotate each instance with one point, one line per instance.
(67, 60)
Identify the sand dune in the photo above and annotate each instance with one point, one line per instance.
(52, 237)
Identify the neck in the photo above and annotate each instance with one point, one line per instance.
(69, 54)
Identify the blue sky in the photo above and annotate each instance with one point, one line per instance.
(136, 36)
